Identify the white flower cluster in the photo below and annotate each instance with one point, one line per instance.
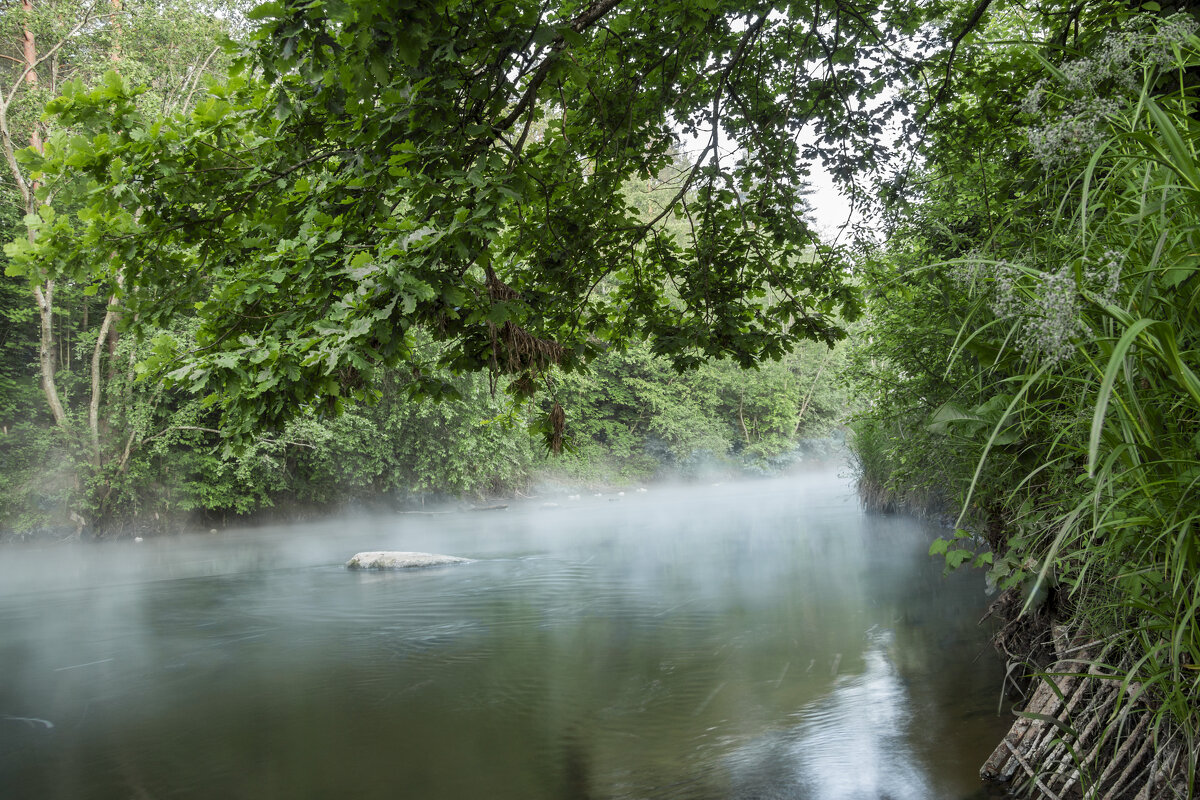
(1119, 61)
(1053, 319)
(1143, 44)
(1032, 103)
(1046, 305)
(1078, 133)
(1103, 276)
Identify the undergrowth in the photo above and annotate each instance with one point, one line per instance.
(1070, 399)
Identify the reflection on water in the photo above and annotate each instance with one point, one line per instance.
(761, 640)
(852, 744)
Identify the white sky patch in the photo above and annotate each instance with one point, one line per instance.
(831, 210)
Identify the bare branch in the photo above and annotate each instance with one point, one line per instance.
(972, 22)
(579, 24)
(196, 77)
(87, 17)
(6, 139)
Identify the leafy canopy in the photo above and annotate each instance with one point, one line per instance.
(373, 168)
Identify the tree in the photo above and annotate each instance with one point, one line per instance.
(375, 168)
(23, 76)
(56, 41)
(172, 48)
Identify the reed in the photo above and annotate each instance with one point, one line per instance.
(1108, 301)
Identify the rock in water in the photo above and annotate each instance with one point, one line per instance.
(395, 559)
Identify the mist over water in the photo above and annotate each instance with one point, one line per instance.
(749, 640)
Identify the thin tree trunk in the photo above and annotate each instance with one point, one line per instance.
(111, 315)
(115, 54)
(811, 390)
(742, 420)
(94, 405)
(29, 48)
(44, 295)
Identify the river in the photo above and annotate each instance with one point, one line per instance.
(759, 640)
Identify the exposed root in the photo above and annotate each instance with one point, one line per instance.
(515, 350)
(1023, 637)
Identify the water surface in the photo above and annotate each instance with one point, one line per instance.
(753, 640)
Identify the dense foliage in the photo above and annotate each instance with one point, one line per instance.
(372, 170)
(1033, 355)
(178, 275)
(632, 418)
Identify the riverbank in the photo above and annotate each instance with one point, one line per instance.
(1085, 727)
(1076, 734)
(550, 480)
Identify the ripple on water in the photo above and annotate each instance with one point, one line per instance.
(683, 651)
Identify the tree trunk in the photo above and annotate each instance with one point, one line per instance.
(742, 419)
(94, 405)
(115, 54)
(811, 390)
(112, 316)
(44, 294)
(29, 47)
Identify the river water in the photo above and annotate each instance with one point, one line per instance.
(750, 640)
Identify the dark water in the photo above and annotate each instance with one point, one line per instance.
(757, 640)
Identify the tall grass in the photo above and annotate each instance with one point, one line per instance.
(1110, 506)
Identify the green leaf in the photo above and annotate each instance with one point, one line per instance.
(265, 11)
(1106, 387)
(948, 414)
(956, 558)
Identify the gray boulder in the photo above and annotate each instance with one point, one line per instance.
(396, 559)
